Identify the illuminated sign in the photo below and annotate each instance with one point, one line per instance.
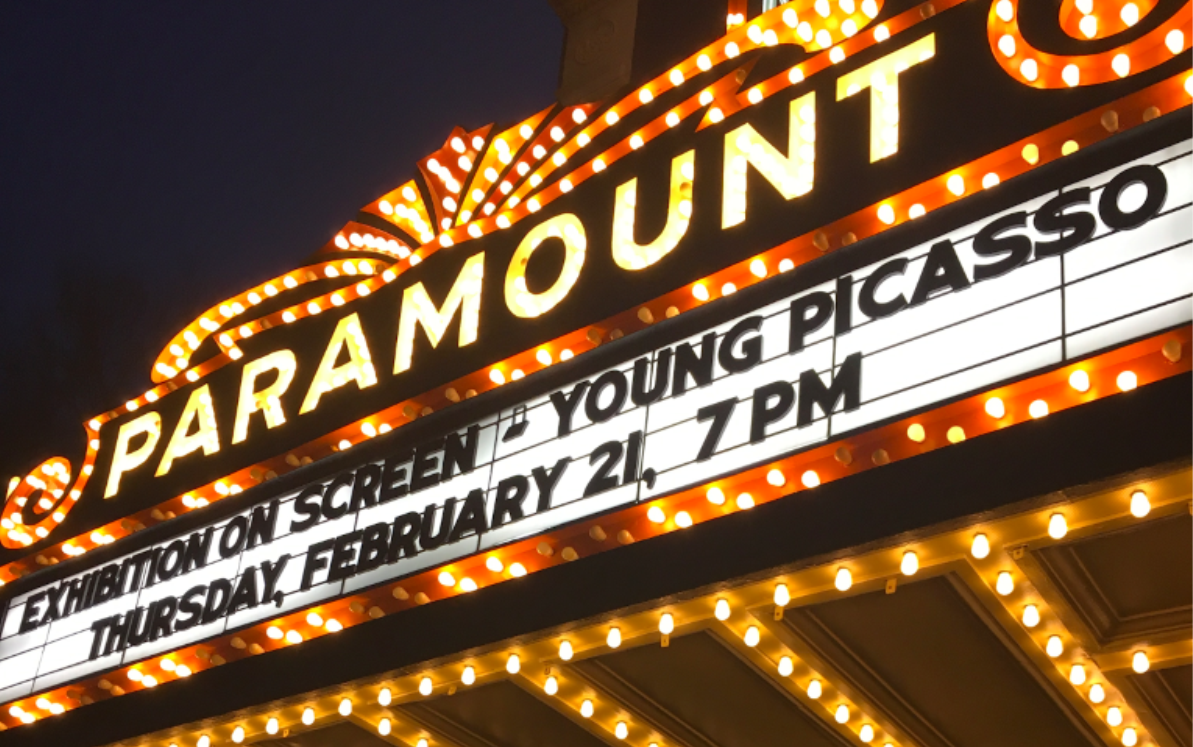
(1054, 278)
(799, 133)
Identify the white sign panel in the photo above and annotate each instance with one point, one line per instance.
(1053, 279)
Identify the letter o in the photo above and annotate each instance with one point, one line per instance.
(232, 539)
(1151, 178)
(518, 298)
(592, 406)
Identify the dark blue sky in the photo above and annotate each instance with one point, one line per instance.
(158, 157)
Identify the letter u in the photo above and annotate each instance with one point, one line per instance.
(662, 374)
(627, 252)
(426, 539)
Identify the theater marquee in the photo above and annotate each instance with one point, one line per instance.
(962, 255)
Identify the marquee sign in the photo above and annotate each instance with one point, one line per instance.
(812, 130)
(1049, 280)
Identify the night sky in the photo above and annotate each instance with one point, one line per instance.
(156, 158)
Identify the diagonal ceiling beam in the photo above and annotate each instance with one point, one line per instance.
(601, 712)
(766, 653)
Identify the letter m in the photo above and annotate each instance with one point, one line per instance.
(846, 384)
(418, 310)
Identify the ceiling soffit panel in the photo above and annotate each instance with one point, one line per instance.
(1123, 586)
(1163, 698)
(497, 715)
(939, 668)
(720, 699)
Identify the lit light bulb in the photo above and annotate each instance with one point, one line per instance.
(308, 716)
(271, 726)
(425, 686)
(844, 579)
(656, 515)
(722, 610)
(1038, 409)
(1031, 616)
(1077, 675)
(1130, 14)
(666, 624)
(842, 714)
(716, 496)
(621, 731)
(910, 563)
(786, 667)
(866, 733)
(345, 707)
(1129, 737)
(1055, 646)
(468, 677)
(782, 596)
(1079, 380)
(1114, 716)
(752, 636)
(551, 686)
(565, 650)
(995, 408)
(513, 664)
(1140, 662)
(981, 546)
(385, 697)
(1127, 380)
(1005, 583)
(587, 709)
(384, 727)
(1097, 694)
(1121, 64)
(1057, 526)
(1140, 506)
(614, 637)
(815, 689)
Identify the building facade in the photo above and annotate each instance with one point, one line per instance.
(808, 373)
